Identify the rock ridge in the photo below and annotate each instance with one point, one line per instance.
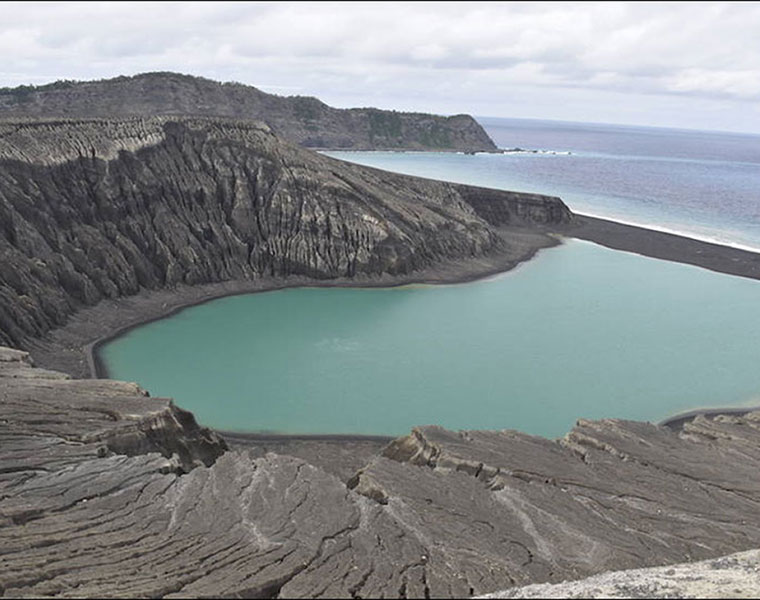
(302, 119)
(104, 415)
(88, 509)
(92, 209)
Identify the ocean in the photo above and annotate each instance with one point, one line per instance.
(701, 184)
(580, 331)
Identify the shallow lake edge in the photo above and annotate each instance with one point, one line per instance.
(116, 318)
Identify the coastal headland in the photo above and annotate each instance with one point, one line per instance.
(304, 120)
(127, 220)
(100, 210)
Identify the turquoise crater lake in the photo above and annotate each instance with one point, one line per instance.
(580, 331)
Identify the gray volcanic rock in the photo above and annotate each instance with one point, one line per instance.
(301, 119)
(94, 417)
(733, 576)
(90, 509)
(96, 209)
(610, 495)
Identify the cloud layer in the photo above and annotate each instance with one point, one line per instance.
(695, 63)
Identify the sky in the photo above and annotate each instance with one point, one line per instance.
(667, 64)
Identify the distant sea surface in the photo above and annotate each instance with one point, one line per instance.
(704, 185)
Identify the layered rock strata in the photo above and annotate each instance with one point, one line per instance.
(105, 492)
(301, 119)
(97, 209)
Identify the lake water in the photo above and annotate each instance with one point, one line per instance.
(580, 331)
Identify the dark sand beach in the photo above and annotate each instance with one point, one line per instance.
(667, 246)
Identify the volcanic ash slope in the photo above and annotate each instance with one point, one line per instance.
(96, 209)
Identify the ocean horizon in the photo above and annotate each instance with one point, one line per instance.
(698, 184)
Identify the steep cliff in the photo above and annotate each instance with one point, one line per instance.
(94, 209)
(105, 492)
(301, 119)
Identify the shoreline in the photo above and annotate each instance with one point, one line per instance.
(407, 150)
(676, 422)
(666, 246)
(98, 369)
(610, 234)
(675, 232)
(74, 347)
(89, 329)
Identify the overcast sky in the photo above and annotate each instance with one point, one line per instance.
(693, 65)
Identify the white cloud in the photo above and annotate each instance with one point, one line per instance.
(739, 84)
(398, 54)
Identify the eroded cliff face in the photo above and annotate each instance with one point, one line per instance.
(105, 492)
(94, 209)
(301, 119)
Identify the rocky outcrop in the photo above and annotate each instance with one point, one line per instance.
(733, 576)
(90, 509)
(301, 119)
(95, 418)
(610, 495)
(96, 209)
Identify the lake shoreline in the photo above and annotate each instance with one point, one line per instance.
(611, 234)
(74, 348)
(114, 318)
